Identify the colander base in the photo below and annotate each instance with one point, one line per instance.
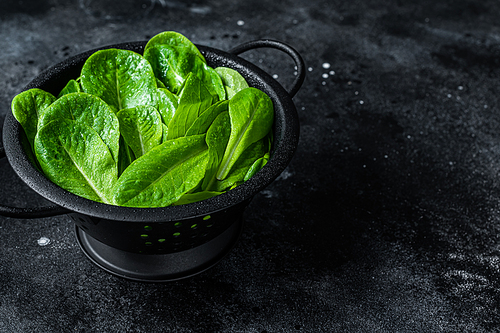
(159, 267)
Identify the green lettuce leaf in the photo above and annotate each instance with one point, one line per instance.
(141, 128)
(217, 138)
(251, 112)
(167, 104)
(172, 38)
(125, 156)
(205, 120)
(194, 100)
(172, 65)
(73, 156)
(88, 110)
(232, 80)
(28, 106)
(164, 174)
(71, 87)
(255, 156)
(122, 78)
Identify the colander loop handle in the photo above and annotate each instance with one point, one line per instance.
(29, 213)
(299, 62)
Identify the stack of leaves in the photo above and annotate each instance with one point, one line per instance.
(151, 130)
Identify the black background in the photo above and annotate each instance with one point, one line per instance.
(386, 220)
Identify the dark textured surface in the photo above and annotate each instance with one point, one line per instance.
(387, 219)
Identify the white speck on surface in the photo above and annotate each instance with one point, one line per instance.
(267, 194)
(200, 10)
(326, 65)
(324, 76)
(275, 76)
(361, 102)
(285, 175)
(460, 88)
(332, 72)
(43, 241)
(240, 22)
(449, 95)
(310, 69)
(323, 83)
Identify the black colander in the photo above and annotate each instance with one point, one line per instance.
(159, 244)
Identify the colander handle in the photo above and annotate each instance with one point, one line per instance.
(29, 213)
(299, 62)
